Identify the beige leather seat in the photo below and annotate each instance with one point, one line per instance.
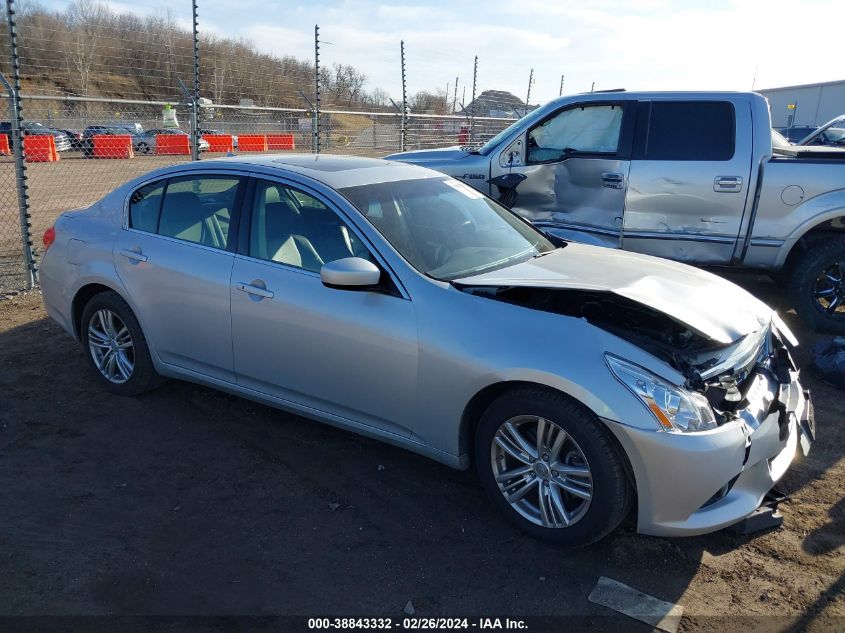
(285, 242)
(183, 216)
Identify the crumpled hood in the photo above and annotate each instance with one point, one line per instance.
(705, 303)
(420, 157)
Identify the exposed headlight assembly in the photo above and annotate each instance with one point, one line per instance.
(674, 408)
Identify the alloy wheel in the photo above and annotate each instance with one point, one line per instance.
(111, 346)
(829, 290)
(541, 471)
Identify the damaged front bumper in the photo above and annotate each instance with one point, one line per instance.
(694, 483)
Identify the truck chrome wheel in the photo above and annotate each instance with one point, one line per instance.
(829, 290)
(541, 471)
(111, 346)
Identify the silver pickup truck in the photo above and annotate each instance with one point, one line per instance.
(695, 177)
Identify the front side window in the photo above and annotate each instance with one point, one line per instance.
(585, 129)
(446, 229)
(294, 228)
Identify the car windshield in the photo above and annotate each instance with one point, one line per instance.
(528, 120)
(835, 134)
(445, 228)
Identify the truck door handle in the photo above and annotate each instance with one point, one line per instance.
(612, 180)
(135, 256)
(257, 291)
(727, 184)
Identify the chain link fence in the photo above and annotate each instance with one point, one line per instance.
(107, 97)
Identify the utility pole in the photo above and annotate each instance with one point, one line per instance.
(455, 98)
(16, 138)
(593, 87)
(315, 143)
(560, 94)
(472, 105)
(195, 105)
(404, 97)
(528, 96)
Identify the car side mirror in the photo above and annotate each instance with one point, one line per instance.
(350, 273)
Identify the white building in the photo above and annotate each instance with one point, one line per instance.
(812, 104)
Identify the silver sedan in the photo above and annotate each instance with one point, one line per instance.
(393, 301)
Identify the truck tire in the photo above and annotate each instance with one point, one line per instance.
(817, 286)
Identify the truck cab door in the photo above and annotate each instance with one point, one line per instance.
(688, 183)
(576, 164)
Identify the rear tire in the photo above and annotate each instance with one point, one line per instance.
(115, 346)
(817, 282)
(556, 474)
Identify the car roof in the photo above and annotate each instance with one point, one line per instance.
(332, 170)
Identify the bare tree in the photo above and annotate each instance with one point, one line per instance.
(84, 19)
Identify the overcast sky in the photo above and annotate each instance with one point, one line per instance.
(633, 44)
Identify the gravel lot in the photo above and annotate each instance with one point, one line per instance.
(188, 501)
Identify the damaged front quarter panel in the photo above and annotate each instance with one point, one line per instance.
(649, 329)
(739, 379)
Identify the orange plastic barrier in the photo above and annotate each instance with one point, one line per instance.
(280, 141)
(40, 148)
(113, 146)
(4, 144)
(252, 143)
(219, 142)
(173, 144)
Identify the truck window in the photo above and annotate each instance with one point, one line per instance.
(685, 130)
(585, 129)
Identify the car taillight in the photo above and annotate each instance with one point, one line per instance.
(49, 237)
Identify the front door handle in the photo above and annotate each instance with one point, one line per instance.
(727, 184)
(612, 180)
(254, 290)
(135, 256)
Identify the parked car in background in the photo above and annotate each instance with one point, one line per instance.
(135, 130)
(32, 128)
(74, 137)
(628, 170)
(400, 303)
(831, 134)
(143, 141)
(148, 143)
(213, 132)
(797, 132)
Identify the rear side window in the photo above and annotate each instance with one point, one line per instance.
(685, 130)
(144, 206)
(198, 209)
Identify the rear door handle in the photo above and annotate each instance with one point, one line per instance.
(135, 256)
(727, 184)
(254, 290)
(612, 180)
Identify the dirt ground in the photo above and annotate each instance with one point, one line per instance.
(186, 501)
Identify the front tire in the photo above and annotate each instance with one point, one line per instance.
(817, 286)
(552, 467)
(116, 347)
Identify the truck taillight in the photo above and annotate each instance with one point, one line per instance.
(49, 237)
